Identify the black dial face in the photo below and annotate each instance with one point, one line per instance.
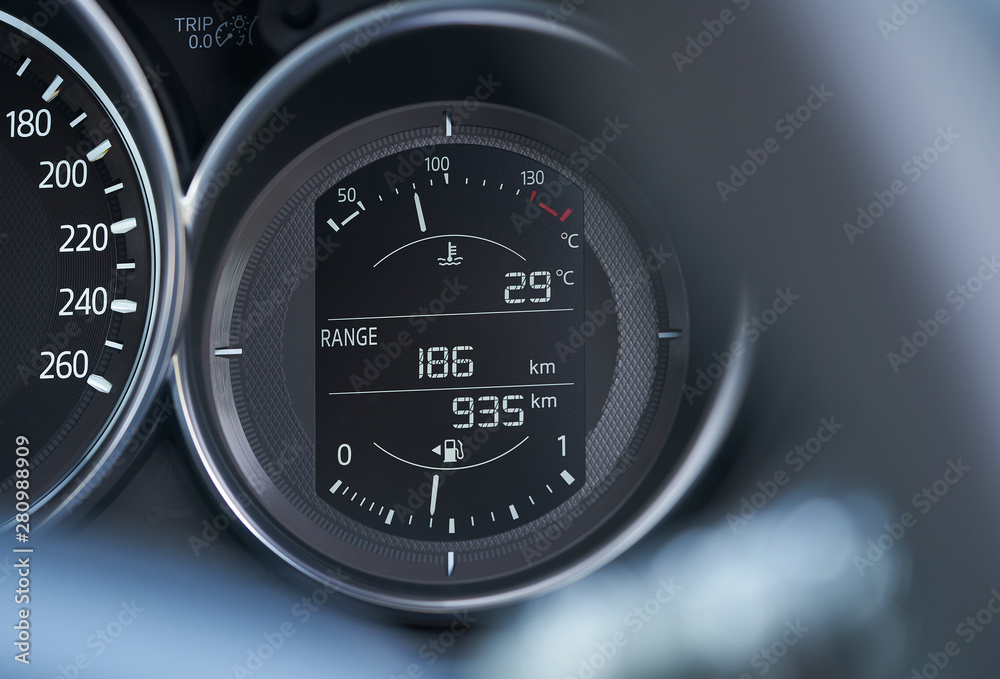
(432, 342)
(76, 248)
(448, 406)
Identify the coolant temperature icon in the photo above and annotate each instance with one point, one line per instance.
(452, 450)
(452, 259)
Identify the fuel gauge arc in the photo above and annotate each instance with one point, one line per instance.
(437, 450)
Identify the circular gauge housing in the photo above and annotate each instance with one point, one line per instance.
(439, 356)
(87, 251)
(470, 338)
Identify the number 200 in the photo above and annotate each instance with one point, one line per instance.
(64, 173)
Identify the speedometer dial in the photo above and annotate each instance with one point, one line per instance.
(79, 257)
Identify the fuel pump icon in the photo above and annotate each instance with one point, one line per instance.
(451, 450)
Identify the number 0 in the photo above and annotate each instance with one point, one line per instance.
(344, 454)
